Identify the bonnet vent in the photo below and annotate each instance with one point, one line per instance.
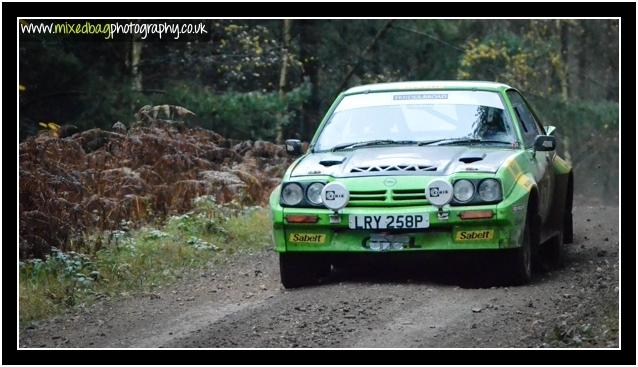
(472, 157)
(396, 168)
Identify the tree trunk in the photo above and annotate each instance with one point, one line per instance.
(563, 72)
(376, 38)
(136, 56)
(284, 55)
(287, 24)
(308, 48)
(611, 68)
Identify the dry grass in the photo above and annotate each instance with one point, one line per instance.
(96, 180)
(139, 260)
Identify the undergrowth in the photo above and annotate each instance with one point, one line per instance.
(127, 260)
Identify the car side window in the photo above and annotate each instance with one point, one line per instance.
(525, 117)
(535, 117)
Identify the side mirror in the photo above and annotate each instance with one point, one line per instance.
(544, 143)
(550, 130)
(293, 147)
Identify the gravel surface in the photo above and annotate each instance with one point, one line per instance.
(240, 303)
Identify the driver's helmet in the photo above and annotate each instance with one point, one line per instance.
(491, 126)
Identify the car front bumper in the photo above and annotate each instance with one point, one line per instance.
(505, 228)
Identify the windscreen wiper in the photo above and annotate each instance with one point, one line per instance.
(428, 142)
(453, 141)
(370, 143)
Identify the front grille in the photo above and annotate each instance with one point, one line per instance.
(398, 197)
(365, 198)
(409, 194)
(395, 168)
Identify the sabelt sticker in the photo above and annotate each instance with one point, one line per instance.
(439, 192)
(475, 235)
(335, 196)
(307, 238)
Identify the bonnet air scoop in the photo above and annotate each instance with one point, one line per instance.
(332, 161)
(471, 157)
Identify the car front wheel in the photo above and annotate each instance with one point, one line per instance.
(519, 261)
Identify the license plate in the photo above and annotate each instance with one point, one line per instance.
(397, 221)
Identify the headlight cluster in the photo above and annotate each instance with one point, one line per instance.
(301, 194)
(477, 191)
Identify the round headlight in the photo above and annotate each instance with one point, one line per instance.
(313, 193)
(463, 190)
(489, 190)
(292, 194)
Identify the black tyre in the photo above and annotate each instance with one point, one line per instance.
(568, 226)
(300, 269)
(568, 220)
(519, 261)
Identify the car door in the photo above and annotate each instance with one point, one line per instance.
(541, 161)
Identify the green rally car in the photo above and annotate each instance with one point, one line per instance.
(424, 166)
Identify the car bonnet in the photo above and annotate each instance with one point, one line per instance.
(403, 160)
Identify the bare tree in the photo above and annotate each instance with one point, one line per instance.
(287, 25)
(136, 56)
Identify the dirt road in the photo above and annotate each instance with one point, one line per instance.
(241, 304)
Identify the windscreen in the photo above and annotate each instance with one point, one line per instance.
(417, 116)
